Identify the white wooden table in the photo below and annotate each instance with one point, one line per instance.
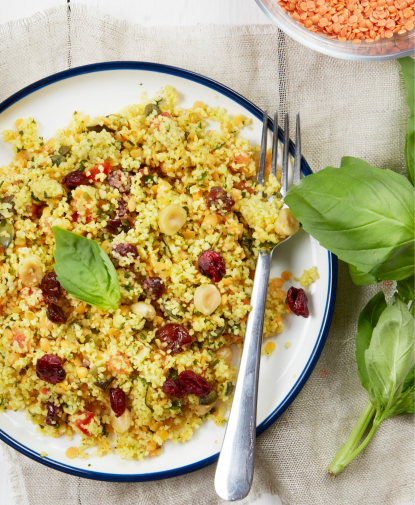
(149, 13)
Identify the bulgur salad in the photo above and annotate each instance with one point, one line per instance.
(128, 247)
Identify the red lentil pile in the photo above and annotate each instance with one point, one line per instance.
(354, 20)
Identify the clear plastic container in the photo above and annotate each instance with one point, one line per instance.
(384, 49)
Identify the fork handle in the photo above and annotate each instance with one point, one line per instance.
(235, 469)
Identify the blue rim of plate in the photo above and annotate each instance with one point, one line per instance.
(332, 260)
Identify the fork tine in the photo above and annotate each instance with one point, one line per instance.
(261, 171)
(297, 153)
(285, 155)
(275, 146)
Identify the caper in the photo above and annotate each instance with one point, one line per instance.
(64, 150)
(229, 389)
(56, 159)
(6, 233)
(104, 384)
(209, 399)
(218, 332)
(98, 128)
(10, 201)
(150, 107)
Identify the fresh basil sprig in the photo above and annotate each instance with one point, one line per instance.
(385, 360)
(362, 214)
(85, 270)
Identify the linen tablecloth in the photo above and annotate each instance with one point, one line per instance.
(347, 108)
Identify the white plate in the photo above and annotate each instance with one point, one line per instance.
(102, 89)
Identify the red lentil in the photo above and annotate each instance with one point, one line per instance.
(354, 20)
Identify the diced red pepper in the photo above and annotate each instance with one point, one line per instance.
(82, 423)
(165, 114)
(93, 173)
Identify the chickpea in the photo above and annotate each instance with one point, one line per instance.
(286, 224)
(225, 353)
(44, 344)
(121, 424)
(207, 299)
(82, 372)
(201, 410)
(30, 271)
(147, 310)
(13, 357)
(171, 219)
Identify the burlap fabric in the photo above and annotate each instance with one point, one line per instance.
(346, 109)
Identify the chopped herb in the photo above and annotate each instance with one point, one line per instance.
(81, 165)
(129, 141)
(87, 196)
(173, 374)
(142, 336)
(186, 209)
(219, 146)
(148, 180)
(203, 176)
(197, 313)
(147, 405)
(188, 191)
(127, 275)
(46, 195)
(175, 405)
(215, 362)
(33, 159)
(3, 223)
(186, 134)
(69, 196)
(168, 127)
(1, 183)
(268, 245)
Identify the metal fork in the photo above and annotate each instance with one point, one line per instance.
(235, 468)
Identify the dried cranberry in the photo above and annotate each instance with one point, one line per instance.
(55, 313)
(49, 368)
(118, 225)
(246, 186)
(75, 179)
(222, 202)
(172, 389)
(126, 249)
(119, 180)
(212, 265)
(176, 336)
(194, 384)
(117, 399)
(53, 412)
(297, 301)
(122, 210)
(153, 287)
(51, 288)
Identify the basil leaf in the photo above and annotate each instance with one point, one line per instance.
(362, 214)
(368, 319)
(85, 271)
(390, 356)
(406, 289)
(360, 278)
(405, 404)
(408, 74)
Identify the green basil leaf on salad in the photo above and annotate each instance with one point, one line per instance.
(368, 319)
(85, 270)
(390, 356)
(408, 74)
(362, 214)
